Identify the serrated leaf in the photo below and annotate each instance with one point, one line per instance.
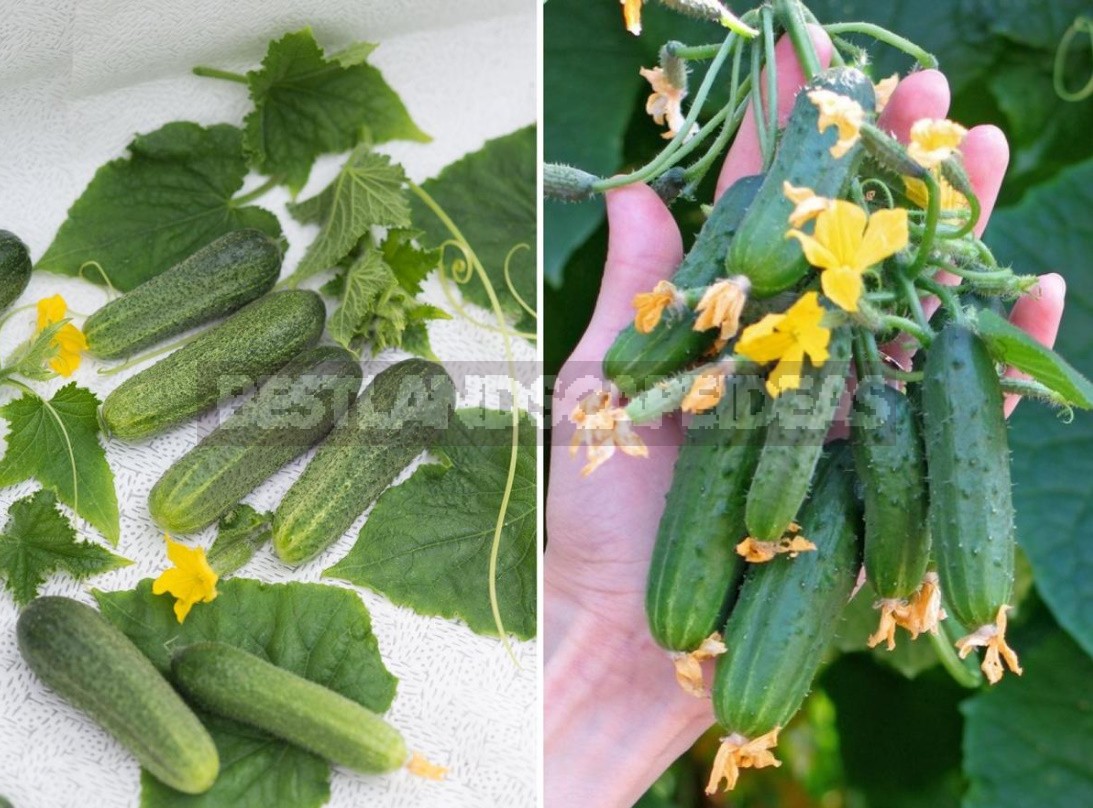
(415, 340)
(306, 105)
(410, 264)
(144, 213)
(320, 632)
(1026, 740)
(363, 282)
(369, 191)
(490, 195)
(56, 442)
(240, 533)
(1013, 346)
(426, 543)
(38, 541)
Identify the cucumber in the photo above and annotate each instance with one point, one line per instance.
(635, 361)
(787, 612)
(967, 453)
(797, 426)
(253, 342)
(891, 464)
(399, 415)
(238, 685)
(213, 282)
(695, 568)
(15, 268)
(292, 411)
(761, 250)
(96, 668)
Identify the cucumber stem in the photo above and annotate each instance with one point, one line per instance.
(693, 53)
(763, 135)
(897, 375)
(217, 73)
(947, 297)
(962, 674)
(923, 57)
(894, 322)
(910, 294)
(250, 196)
(933, 213)
(772, 82)
(695, 173)
(790, 14)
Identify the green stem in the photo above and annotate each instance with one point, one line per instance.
(693, 53)
(144, 357)
(947, 297)
(896, 323)
(790, 15)
(933, 213)
(837, 59)
(217, 73)
(872, 352)
(1027, 388)
(898, 375)
(762, 134)
(956, 667)
(772, 82)
(1081, 24)
(698, 170)
(260, 191)
(910, 294)
(923, 57)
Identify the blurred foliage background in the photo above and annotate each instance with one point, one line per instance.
(895, 731)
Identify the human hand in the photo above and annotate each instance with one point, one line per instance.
(615, 715)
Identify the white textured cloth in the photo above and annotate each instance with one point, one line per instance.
(78, 78)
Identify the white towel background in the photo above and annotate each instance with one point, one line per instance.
(78, 78)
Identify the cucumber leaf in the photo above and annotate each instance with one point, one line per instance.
(38, 540)
(239, 534)
(411, 264)
(144, 213)
(1013, 346)
(306, 104)
(57, 443)
(1026, 740)
(320, 632)
(427, 542)
(369, 191)
(490, 196)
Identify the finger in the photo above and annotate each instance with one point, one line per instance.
(1038, 313)
(986, 155)
(745, 156)
(921, 95)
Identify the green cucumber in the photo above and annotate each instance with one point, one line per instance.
(695, 568)
(798, 423)
(967, 453)
(292, 411)
(890, 460)
(15, 268)
(761, 250)
(399, 415)
(99, 670)
(253, 342)
(233, 683)
(635, 360)
(213, 282)
(788, 608)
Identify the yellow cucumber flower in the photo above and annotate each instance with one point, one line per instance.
(191, 580)
(631, 15)
(69, 340)
(883, 90)
(707, 390)
(603, 427)
(737, 753)
(934, 140)
(787, 338)
(760, 552)
(721, 305)
(951, 199)
(665, 104)
(808, 204)
(689, 666)
(993, 637)
(848, 241)
(844, 113)
(649, 306)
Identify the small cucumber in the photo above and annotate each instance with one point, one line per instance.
(238, 685)
(15, 268)
(695, 568)
(253, 342)
(292, 411)
(761, 250)
(787, 612)
(891, 464)
(213, 282)
(797, 425)
(96, 668)
(635, 360)
(967, 453)
(399, 415)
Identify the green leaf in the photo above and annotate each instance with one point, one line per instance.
(38, 540)
(306, 105)
(1052, 461)
(363, 282)
(368, 191)
(1026, 740)
(859, 620)
(239, 535)
(320, 632)
(427, 542)
(56, 442)
(490, 196)
(410, 264)
(145, 213)
(1013, 346)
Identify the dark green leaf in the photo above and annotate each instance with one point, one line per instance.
(57, 443)
(410, 264)
(239, 535)
(38, 540)
(490, 196)
(368, 191)
(1026, 740)
(145, 213)
(426, 543)
(306, 105)
(320, 632)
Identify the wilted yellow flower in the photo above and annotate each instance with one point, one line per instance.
(737, 753)
(848, 241)
(760, 552)
(649, 306)
(721, 305)
(707, 390)
(419, 766)
(602, 428)
(191, 580)
(808, 204)
(934, 140)
(788, 338)
(844, 113)
(631, 15)
(993, 637)
(689, 667)
(69, 340)
(665, 104)
(883, 90)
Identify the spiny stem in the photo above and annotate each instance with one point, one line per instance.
(693, 53)
(217, 73)
(762, 133)
(772, 82)
(896, 323)
(790, 15)
(933, 212)
(924, 58)
(910, 294)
